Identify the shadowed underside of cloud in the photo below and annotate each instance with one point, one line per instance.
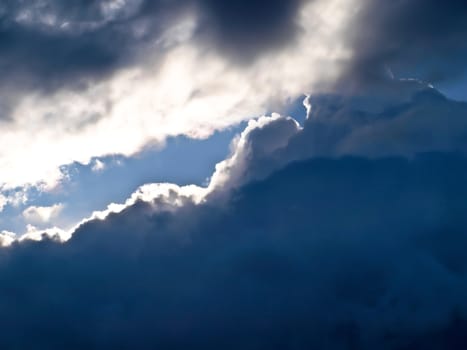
(339, 254)
(330, 252)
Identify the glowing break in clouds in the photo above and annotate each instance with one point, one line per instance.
(179, 88)
(260, 139)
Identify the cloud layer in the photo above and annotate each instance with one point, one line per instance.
(347, 232)
(336, 252)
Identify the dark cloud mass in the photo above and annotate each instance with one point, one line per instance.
(247, 28)
(415, 38)
(53, 43)
(338, 254)
(326, 253)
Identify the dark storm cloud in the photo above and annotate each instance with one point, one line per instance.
(338, 254)
(414, 38)
(247, 28)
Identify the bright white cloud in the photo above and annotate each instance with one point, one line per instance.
(7, 238)
(42, 215)
(163, 196)
(260, 139)
(35, 234)
(185, 91)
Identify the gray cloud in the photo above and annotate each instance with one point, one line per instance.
(245, 29)
(50, 43)
(414, 38)
(47, 45)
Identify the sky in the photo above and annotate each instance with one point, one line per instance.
(249, 174)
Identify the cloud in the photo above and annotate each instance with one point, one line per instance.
(347, 233)
(294, 244)
(15, 198)
(414, 38)
(404, 118)
(37, 234)
(156, 75)
(231, 24)
(112, 77)
(72, 41)
(98, 166)
(164, 196)
(3, 202)
(42, 215)
(336, 252)
(7, 238)
(260, 139)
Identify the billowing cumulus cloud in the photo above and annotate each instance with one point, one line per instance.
(361, 251)
(259, 141)
(400, 118)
